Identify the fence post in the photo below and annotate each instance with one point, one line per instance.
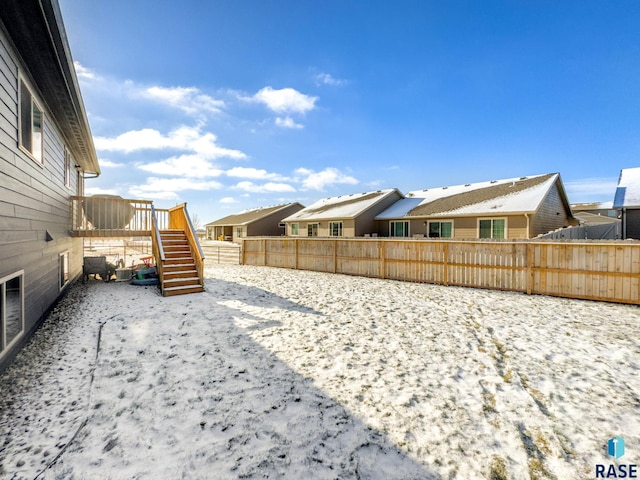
(264, 246)
(335, 256)
(445, 264)
(243, 252)
(529, 279)
(296, 257)
(383, 266)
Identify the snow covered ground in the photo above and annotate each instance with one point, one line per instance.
(276, 373)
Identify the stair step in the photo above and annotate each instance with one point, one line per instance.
(179, 274)
(177, 260)
(171, 291)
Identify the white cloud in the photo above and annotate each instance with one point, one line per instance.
(83, 72)
(100, 191)
(591, 188)
(312, 180)
(188, 99)
(253, 173)
(184, 166)
(327, 79)
(269, 187)
(285, 100)
(228, 200)
(109, 164)
(168, 188)
(287, 122)
(189, 139)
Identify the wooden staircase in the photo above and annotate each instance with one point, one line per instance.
(178, 272)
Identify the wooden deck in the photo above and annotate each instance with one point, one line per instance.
(109, 216)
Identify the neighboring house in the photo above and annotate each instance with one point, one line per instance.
(257, 222)
(46, 149)
(604, 209)
(511, 208)
(343, 216)
(627, 202)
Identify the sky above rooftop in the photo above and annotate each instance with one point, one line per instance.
(228, 105)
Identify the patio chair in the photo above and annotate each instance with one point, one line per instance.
(97, 266)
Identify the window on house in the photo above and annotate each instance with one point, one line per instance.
(295, 229)
(11, 310)
(492, 228)
(67, 168)
(399, 229)
(335, 229)
(312, 230)
(31, 124)
(239, 232)
(63, 269)
(440, 229)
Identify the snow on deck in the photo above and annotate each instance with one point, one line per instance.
(277, 373)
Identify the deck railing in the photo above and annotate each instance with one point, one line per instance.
(109, 216)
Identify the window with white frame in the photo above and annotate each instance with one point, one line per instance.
(335, 229)
(63, 269)
(492, 228)
(239, 232)
(295, 229)
(312, 230)
(399, 229)
(31, 131)
(440, 229)
(67, 168)
(11, 309)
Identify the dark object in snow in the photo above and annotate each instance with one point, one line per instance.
(97, 266)
(145, 276)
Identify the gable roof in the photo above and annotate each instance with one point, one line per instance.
(507, 196)
(628, 191)
(38, 34)
(342, 206)
(248, 216)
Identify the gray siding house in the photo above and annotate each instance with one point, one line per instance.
(627, 202)
(256, 222)
(46, 150)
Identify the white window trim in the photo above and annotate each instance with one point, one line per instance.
(60, 265)
(239, 232)
(341, 228)
(506, 227)
(392, 230)
(3, 282)
(453, 225)
(317, 224)
(298, 228)
(22, 79)
(68, 168)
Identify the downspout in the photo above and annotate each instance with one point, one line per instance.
(526, 215)
(624, 223)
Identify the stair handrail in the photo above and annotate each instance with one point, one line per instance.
(156, 233)
(193, 231)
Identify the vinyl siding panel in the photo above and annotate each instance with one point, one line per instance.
(632, 225)
(33, 200)
(551, 215)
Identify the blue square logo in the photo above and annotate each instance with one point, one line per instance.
(615, 447)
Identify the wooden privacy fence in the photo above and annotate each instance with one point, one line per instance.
(607, 271)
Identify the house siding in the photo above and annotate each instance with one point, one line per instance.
(631, 219)
(33, 201)
(551, 215)
(366, 223)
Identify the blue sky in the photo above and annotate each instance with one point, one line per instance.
(228, 105)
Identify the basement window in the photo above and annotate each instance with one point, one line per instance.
(11, 310)
(31, 129)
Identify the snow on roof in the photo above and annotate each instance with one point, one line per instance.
(510, 195)
(249, 215)
(343, 206)
(628, 191)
